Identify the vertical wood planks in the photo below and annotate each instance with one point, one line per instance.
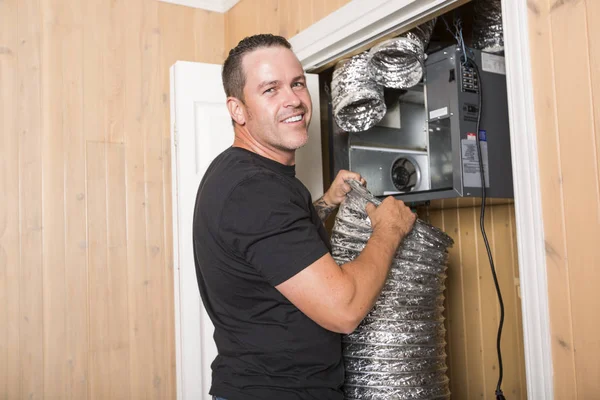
(117, 277)
(113, 69)
(471, 304)
(53, 212)
(10, 371)
(518, 305)
(488, 303)
(98, 276)
(473, 329)
(76, 271)
(455, 293)
(579, 173)
(82, 211)
(593, 19)
(209, 34)
(96, 27)
(281, 17)
(512, 339)
(31, 318)
(557, 267)
(156, 310)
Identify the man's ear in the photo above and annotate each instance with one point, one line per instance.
(236, 110)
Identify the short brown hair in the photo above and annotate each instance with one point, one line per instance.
(233, 74)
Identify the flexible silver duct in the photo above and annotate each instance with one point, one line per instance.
(487, 26)
(357, 100)
(398, 63)
(398, 350)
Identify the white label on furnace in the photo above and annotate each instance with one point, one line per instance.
(470, 161)
(493, 63)
(440, 112)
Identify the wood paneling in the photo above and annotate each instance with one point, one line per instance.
(86, 280)
(565, 56)
(280, 17)
(53, 212)
(472, 310)
(30, 363)
(10, 222)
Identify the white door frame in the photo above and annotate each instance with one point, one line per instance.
(363, 21)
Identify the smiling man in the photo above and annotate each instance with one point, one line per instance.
(277, 299)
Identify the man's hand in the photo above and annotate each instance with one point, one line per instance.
(336, 193)
(392, 218)
(339, 297)
(339, 188)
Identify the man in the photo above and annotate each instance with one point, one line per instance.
(277, 299)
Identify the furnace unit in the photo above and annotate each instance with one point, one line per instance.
(430, 152)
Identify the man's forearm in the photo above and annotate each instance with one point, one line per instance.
(323, 208)
(370, 269)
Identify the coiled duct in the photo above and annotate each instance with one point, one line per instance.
(398, 350)
(358, 102)
(488, 35)
(398, 63)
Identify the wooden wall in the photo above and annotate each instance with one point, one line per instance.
(281, 17)
(472, 310)
(565, 53)
(86, 283)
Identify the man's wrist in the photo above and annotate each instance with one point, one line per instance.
(328, 200)
(324, 208)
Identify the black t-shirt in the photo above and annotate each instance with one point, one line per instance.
(254, 228)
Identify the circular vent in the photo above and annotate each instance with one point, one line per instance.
(404, 174)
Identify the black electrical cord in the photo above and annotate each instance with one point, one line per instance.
(467, 61)
(470, 62)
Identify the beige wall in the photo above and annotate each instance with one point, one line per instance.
(86, 287)
(565, 50)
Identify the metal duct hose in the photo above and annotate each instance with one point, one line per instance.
(398, 63)
(357, 100)
(487, 26)
(398, 350)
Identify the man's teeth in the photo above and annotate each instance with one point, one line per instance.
(293, 119)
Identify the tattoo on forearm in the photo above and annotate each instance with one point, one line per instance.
(323, 209)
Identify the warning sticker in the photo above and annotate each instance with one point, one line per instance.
(493, 63)
(470, 161)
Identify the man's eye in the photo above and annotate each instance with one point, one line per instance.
(299, 84)
(270, 90)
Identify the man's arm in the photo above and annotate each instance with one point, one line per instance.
(335, 194)
(323, 209)
(338, 298)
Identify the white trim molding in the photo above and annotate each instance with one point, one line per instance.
(357, 24)
(220, 6)
(528, 203)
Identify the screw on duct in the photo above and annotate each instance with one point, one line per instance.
(358, 102)
(398, 63)
(488, 35)
(398, 350)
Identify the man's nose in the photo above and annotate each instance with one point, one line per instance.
(291, 98)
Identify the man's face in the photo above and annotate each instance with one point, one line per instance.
(278, 107)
